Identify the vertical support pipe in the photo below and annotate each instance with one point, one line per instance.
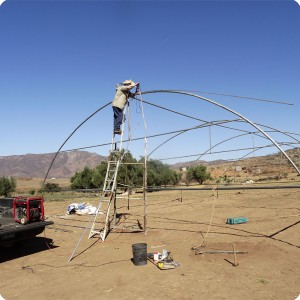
(253, 145)
(145, 184)
(115, 206)
(209, 128)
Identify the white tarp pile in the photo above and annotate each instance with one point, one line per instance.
(81, 209)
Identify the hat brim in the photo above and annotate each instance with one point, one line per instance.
(128, 82)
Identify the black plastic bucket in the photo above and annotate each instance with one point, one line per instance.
(139, 254)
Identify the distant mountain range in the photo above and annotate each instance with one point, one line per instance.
(67, 163)
(198, 162)
(36, 165)
(64, 166)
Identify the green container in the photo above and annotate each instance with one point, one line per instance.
(238, 220)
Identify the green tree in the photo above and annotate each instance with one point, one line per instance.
(198, 173)
(160, 174)
(83, 179)
(131, 173)
(175, 177)
(7, 185)
(99, 174)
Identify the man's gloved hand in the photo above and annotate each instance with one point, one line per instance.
(131, 95)
(137, 87)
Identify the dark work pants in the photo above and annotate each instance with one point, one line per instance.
(118, 116)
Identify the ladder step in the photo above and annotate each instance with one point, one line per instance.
(94, 232)
(102, 236)
(108, 188)
(115, 151)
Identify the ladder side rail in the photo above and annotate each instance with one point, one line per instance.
(113, 189)
(111, 182)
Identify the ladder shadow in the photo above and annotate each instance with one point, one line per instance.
(86, 249)
(128, 225)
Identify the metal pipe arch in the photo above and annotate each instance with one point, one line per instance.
(232, 111)
(243, 134)
(214, 123)
(54, 157)
(188, 94)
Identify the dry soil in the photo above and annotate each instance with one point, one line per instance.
(270, 269)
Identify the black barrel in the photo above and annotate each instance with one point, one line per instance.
(139, 254)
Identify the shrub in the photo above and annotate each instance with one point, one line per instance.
(52, 187)
(198, 173)
(7, 185)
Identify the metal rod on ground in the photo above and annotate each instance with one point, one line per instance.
(91, 218)
(235, 264)
(128, 190)
(221, 252)
(115, 206)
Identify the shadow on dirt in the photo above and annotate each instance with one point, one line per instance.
(24, 248)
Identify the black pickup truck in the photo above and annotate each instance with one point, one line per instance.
(21, 218)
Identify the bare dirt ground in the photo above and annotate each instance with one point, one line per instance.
(103, 270)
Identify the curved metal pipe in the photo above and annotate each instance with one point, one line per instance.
(289, 134)
(225, 151)
(232, 111)
(214, 123)
(237, 136)
(69, 138)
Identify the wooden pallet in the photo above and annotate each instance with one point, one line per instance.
(162, 265)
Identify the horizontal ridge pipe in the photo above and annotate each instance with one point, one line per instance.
(227, 188)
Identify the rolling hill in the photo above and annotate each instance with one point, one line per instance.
(36, 165)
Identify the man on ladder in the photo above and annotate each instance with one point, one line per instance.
(101, 222)
(119, 102)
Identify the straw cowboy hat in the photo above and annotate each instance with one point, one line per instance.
(130, 82)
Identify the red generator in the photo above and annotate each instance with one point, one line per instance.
(28, 210)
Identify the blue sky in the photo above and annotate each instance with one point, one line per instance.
(60, 61)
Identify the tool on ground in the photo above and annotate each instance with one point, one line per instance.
(164, 260)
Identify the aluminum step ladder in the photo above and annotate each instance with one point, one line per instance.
(101, 222)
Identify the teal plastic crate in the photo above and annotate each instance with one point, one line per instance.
(238, 220)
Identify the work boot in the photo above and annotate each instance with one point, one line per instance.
(117, 131)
